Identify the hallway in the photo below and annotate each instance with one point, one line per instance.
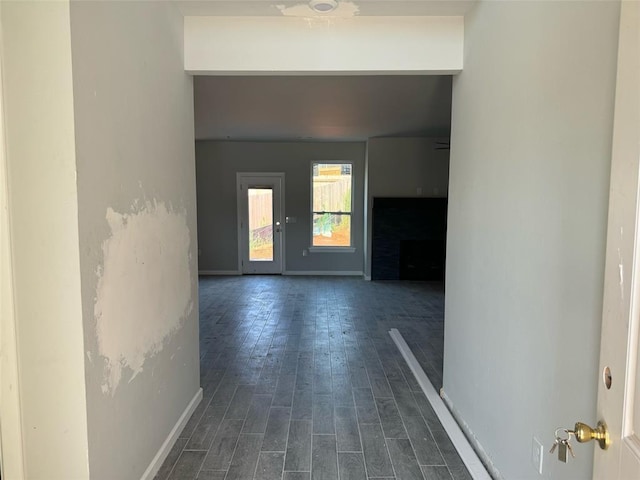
(302, 381)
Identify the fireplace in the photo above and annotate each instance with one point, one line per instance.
(409, 238)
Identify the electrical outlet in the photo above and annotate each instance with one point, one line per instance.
(537, 452)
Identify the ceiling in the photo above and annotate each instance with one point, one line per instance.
(321, 108)
(362, 7)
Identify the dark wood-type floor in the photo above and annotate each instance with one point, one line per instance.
(302, 381)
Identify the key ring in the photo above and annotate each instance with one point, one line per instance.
(565, 430)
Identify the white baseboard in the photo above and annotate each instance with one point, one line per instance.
(488, 464)
(367, 278)
(347, 273)
(467, 452)
(166, 447)
(219, 272)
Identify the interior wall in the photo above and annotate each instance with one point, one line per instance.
(403, 167)
(43, 222)
(531, 146)
(133, 107)
(217, 164)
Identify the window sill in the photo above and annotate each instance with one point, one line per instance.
(332, 250)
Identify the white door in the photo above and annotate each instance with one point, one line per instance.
(619, 405)
(260, 225)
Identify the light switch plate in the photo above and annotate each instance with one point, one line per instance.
(537, 453)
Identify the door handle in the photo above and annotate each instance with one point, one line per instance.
(278, 229)
(584, 433)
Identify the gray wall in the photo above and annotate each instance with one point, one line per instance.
(217, 164)
(398, 167)
(531, 148)
(133, 108)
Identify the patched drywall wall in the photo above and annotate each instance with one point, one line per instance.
(531, 142)
(344, 9)
(133, 106)
(146, 246)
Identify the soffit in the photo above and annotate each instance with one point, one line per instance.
(316, 107)
(361, 7)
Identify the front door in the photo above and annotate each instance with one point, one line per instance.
(260, 222)
(619, 388)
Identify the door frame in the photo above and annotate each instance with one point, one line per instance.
(239, 177)
(11, 432)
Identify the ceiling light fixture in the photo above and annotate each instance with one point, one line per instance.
(323, 6)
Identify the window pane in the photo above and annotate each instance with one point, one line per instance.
(331, 187)
(331, 230)
(260, 224)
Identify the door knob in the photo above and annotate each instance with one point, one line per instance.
(584, 433)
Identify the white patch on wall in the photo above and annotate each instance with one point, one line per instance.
(144, 287)
(343, 10)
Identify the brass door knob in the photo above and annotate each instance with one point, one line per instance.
(584, 433)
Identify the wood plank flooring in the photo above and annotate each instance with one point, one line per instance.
(302, 382)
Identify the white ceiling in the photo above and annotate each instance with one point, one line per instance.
(364, 7)
(321, 108)
(332, 107)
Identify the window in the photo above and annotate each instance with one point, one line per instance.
(331, 198)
